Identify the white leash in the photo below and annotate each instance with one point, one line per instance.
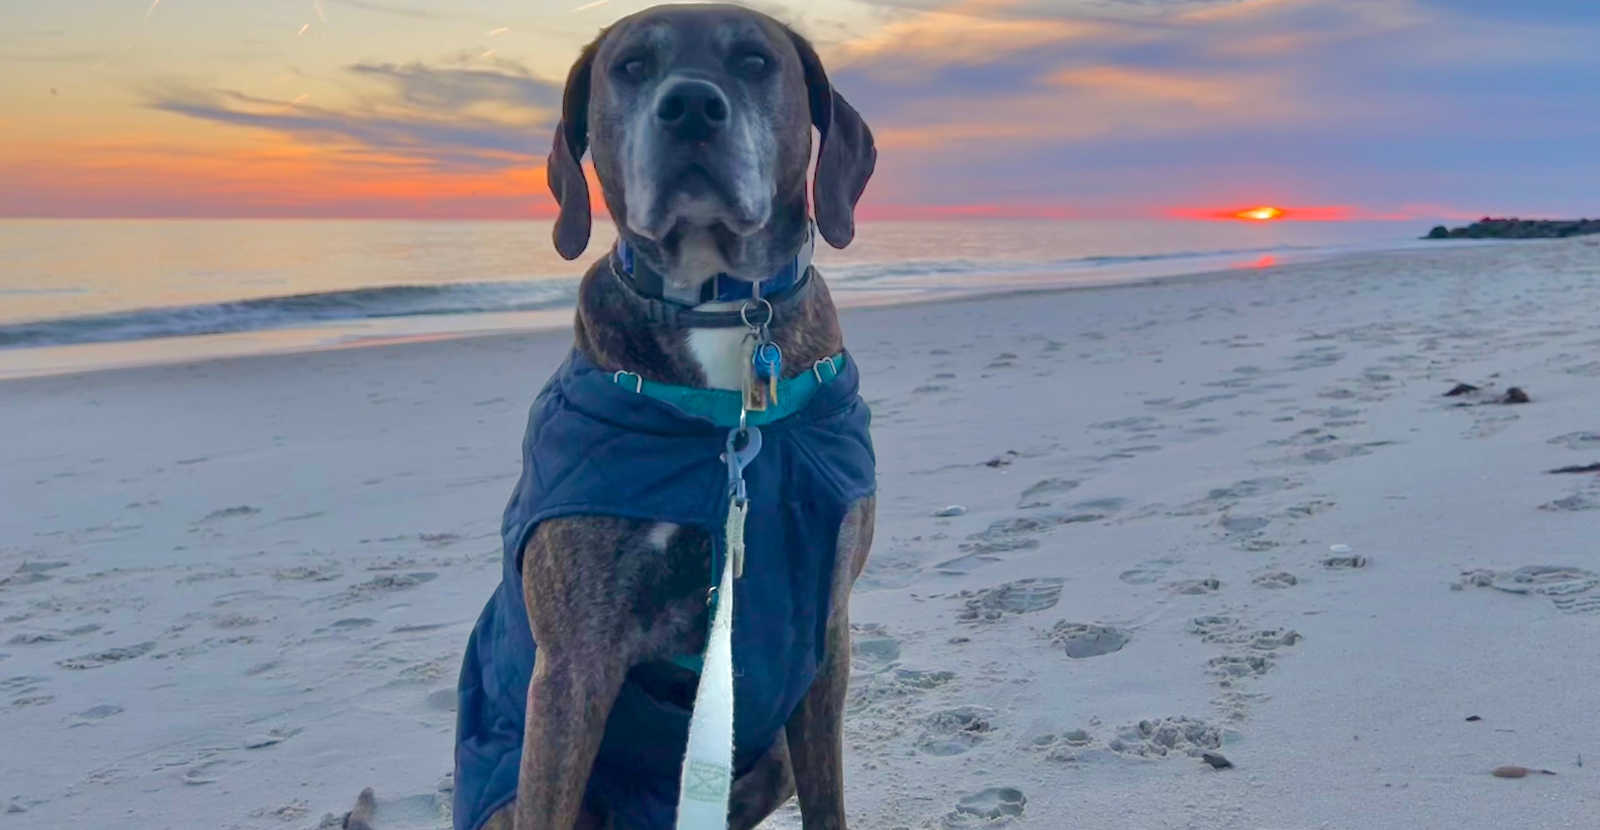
(707, 778)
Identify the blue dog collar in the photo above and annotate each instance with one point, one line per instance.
(721, 288)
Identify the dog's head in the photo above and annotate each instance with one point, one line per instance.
(699, 120)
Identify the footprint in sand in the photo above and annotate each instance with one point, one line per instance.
(1037, 494)
(871, 647)
(1572, 590)
(1222, 498)
(1269, 639)
(443, 700)
(312, 573)
(1313, 446)
(1023, 596)
(29, 573)
(1240, 665)
(891, 568)
(1166, 738)
(231, 512)
(207, 772)
(97, 659)
(888, 689)
(95, 714)
(988, 807)
(1070, 746)
(269, 738)
(1141, 576)
(1215, 628)
(1275, 579)
(1241, 524)
(1577, 440)
(1014, 534)
(1222, 629)
(1315, 358)
(1195, 587)
(956, 730)
(1084, 640)
(385, 584)
(28, 638)
(1137, 424)
(1570, 504)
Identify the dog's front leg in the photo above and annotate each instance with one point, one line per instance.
(816, 734)
(575, 680)
(816, 729)
(567, 709)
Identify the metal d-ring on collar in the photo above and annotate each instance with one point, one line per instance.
(756, 302)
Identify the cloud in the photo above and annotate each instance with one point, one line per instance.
(964, 34)
(1129, 84)
(449, 118)
(430, 88)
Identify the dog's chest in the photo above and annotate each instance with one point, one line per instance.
(720, 355)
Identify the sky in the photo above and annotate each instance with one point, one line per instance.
(1333, 109)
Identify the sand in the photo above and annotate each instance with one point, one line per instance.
(1230, 513)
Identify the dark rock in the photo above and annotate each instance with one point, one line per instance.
(1461, 389)
(1216, 760)
(1516, 228)
(1516, 395)
(1579, 468)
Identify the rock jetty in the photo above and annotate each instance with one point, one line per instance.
(1487, 228)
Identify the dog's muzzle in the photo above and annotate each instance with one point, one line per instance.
(694, 159)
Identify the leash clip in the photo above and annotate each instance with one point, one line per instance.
(738, 496)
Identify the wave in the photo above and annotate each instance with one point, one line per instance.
(871, 272)
(294, 310)
(488, 297)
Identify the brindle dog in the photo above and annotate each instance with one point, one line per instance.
(699, 121)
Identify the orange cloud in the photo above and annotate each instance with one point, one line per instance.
(966, 33)
(267, 176)
(1175, 87)
(1238, 10)
(1092, 101)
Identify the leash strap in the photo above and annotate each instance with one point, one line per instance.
(707, 777)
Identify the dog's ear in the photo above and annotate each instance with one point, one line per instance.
(564, 170)
(845, 157)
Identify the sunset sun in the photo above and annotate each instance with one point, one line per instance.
(1260, 214)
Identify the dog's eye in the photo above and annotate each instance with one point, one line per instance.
(634, 68)
(752, 64)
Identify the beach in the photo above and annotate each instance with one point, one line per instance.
(1230, 513)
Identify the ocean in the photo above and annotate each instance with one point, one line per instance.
(80, 295)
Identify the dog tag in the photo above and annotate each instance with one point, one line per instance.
(768, 364)
(755, 390)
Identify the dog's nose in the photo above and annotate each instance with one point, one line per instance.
(692, 110)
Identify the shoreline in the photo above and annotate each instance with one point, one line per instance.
(15, 364)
